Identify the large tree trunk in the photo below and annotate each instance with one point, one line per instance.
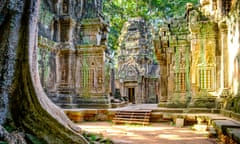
(21, 92)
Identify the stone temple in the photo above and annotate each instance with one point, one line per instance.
(138, 73)
(188, 62)
(73, 64)
(198, 56)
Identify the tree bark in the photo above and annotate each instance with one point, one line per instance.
(24, 97)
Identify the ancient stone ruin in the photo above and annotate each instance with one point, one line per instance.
(186, 71)
(190, 61)
(138, 72)
(72, 59)
(198, 56)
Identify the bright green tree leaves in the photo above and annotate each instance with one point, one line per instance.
(154, 11)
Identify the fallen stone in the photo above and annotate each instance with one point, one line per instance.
(222, 125)
(234, 133)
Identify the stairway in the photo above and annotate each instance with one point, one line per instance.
(132, 116)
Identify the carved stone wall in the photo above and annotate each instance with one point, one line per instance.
(137, 72)
(172, 47)
(211, 48)
(72, 46)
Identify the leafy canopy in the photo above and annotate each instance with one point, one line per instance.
(154, 11)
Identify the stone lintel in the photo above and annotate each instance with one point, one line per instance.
(65, 46)
(94, 22)
(90, 47)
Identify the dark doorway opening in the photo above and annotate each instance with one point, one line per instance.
(131, 95)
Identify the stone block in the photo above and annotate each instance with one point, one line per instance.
(179, 122)
(156, 117)
(215, 117)
(226, 113)
(167, 116)
(75, 116)
(222, 125)
(190, 120)
(234, 133)
(236, 116)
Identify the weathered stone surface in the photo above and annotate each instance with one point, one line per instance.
(234, 133)
(222, 125)
(172, 48)
(179, 122)
(73, 64)
(138, 74)
(199, 57)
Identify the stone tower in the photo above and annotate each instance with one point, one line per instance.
(91, 71)
(74, 36)
(172, 48)
(137, 72)
(198, 55)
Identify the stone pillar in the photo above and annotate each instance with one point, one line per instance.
(65, 63)
(94, 77)
(224, 58)
(203, 69)
(163, 83)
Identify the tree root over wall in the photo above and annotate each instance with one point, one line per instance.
(28, 106)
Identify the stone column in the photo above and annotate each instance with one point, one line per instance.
(163, 82)
(224, 58)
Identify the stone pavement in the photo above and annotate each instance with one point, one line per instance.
(138, 106)
(156, 133)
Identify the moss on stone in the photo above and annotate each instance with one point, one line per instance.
(233, 104)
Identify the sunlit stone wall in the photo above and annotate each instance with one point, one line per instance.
(73, 65)
(214, 65)
(138, 71)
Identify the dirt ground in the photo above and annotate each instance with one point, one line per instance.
(155, 133)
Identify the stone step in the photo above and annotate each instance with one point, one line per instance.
(234, 134)
(130, 119)
(222, 125)
(132, 116)
(168, 110)
(131, 122)
(215, 117)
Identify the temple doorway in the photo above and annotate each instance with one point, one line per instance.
(131, 95)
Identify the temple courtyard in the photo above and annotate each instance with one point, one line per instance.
(164, 126)
(155, 133)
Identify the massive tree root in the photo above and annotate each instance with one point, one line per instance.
(29, 106)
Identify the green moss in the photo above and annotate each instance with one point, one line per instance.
(177, 104)
(96, 138)
(233, 104)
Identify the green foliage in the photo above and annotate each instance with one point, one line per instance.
(152, 10)
(96, 138)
